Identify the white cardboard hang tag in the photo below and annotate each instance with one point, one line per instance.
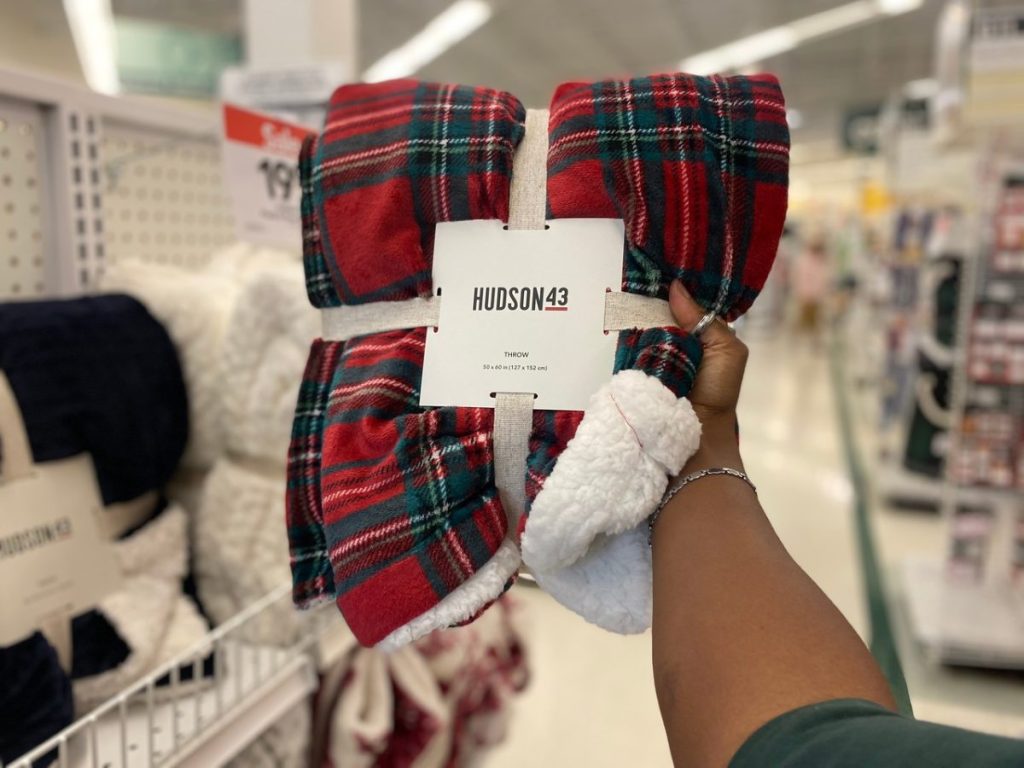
(53, 561)
(522, 311)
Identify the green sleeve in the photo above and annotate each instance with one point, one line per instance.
(849, 733)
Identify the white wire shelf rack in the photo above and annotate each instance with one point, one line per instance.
(192, 720)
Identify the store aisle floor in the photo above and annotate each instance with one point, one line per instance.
(591, 701)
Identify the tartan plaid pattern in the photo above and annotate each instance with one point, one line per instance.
(312, 576)
(393, 160)
(390, 506)
(409, 499)
(319, 287)
(407, 509)
(697, 167)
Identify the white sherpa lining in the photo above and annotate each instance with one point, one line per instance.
(148, 611)
(585, 539)
(461, 604)
(240, 550)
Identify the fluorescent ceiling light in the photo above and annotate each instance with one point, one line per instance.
(92, 28)
(454, 24)
(895, 7)
(741, 52)
(835, 19)
(785, 37)
(924, 88)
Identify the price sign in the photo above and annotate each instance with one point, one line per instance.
(261, 171)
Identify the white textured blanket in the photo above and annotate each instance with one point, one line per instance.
(240, 550)
(268, 336)
(195, 309)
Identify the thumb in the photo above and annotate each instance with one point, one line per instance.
(684, 309)
(688, 313)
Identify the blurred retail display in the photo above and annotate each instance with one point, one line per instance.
(443, 701)
(97, 375)
(176, 289)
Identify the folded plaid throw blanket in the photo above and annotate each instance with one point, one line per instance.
(392, 509)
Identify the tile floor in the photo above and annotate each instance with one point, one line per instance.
(592, 699)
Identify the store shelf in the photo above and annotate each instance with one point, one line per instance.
(193, 730)
(970, 624)
(985, 701)
(199, 724)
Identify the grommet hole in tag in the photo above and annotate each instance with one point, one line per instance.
(607, 290)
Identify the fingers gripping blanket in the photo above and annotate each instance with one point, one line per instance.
(392, 508)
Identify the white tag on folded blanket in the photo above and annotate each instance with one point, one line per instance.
(522, 311)
(53, 559)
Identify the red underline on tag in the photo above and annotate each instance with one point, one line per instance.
(556, 309)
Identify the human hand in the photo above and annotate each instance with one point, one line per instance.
(716, 388)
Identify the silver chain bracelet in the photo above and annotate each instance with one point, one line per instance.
(682, 482)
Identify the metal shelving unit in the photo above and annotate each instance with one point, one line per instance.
(85, 180)
(252, 686)
(966, 605)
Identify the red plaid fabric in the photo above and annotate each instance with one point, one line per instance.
(407, 510)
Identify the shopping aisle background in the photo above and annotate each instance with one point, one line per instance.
(591, 700)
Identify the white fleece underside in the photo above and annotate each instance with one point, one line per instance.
(148, 610)
(586, 537)
(463, 602)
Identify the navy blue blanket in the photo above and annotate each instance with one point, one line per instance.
(97, 375)
(35, 698)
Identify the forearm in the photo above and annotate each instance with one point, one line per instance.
(741, 633)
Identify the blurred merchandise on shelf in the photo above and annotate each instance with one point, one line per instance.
(971, 529)
(35, 698)
(971, 611)
(265, 349)
(198, 308)
(240, 548)
(1018, 551)
(441, 702)
(992, 428)
(927, 436)
(151, 617)
(285, 744)
(995, 86)
(97, 375)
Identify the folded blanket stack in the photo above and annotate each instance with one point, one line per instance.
(242, 328)
(195, 308)
(101, 376)
(392, 508)
(440, 702)
(97, 375)
(148, 615)
(240, 550)
(264, 353)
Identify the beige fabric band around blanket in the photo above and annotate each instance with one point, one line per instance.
(622, 311)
